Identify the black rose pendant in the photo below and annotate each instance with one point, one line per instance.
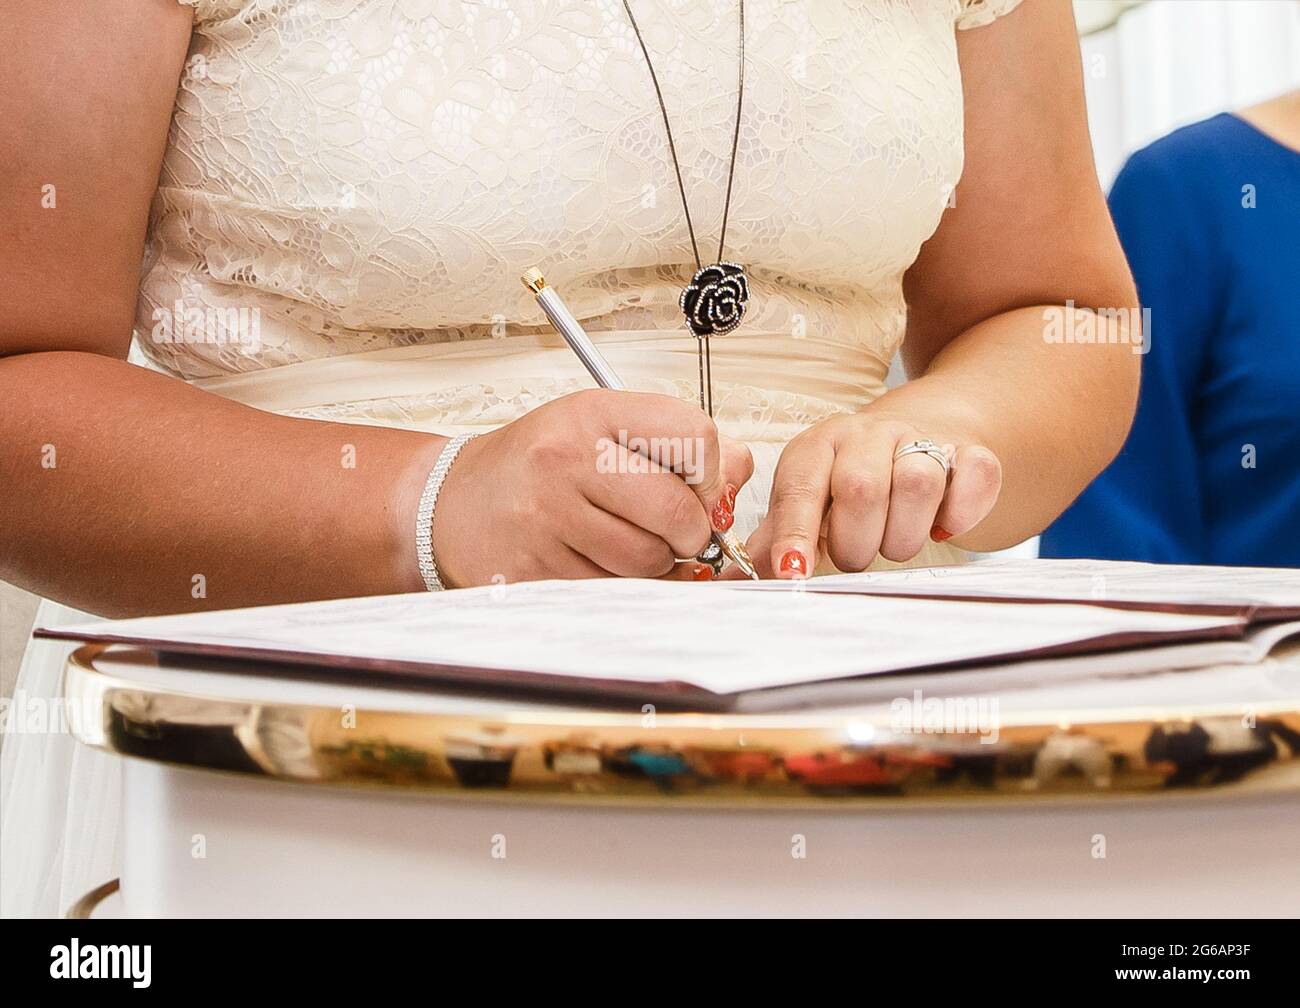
(715, 301)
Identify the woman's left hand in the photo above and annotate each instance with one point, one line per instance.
(840, 492)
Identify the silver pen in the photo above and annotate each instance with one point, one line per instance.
(580, 343)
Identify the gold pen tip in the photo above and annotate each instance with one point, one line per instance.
(533, 279)
(737, 554)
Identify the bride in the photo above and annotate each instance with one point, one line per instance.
(313, 215)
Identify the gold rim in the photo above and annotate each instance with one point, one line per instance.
(696, 759)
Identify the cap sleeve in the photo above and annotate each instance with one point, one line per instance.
(976, 13)
(212, 10)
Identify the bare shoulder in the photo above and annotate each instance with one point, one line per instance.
(1028, 180)
(86, 95)
(1278, 117)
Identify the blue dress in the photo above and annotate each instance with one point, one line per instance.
(1209, 217)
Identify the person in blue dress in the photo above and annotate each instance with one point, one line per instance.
(1210, 219)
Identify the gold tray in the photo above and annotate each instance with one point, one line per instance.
(683, 759)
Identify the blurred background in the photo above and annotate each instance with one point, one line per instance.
(1149, 67)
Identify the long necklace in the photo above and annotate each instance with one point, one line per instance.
(714, 301)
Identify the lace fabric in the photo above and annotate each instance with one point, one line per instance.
(377, 173)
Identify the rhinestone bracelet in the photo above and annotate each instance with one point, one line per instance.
(424, 516)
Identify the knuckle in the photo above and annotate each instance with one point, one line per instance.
(702, 433)
(835, 425)
(738, 460)
(858, 491)
(548, 452)
(686, 418)
(802, 438)
(685, 512)
(585, 401)
(915, 484)
(983, 466)
(896, 430)
(795, 492)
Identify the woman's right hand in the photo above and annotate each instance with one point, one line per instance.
(562, 492)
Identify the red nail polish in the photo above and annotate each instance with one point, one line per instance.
(730, 497)
(722, 516)
(938, 533)
(794, 563)
(702, 572)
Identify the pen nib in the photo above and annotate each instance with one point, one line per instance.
(736, 552)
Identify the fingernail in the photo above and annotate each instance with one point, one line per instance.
(723, 516)
(938, 533)
(794, 564)
(730, 496)
(702, 572)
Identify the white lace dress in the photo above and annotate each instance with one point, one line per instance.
(353, 187)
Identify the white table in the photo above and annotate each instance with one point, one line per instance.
(314, 798)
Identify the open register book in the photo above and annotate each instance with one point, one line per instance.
(754, 646)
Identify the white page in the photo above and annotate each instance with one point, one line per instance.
(1037, 674)
(1072, 580)
(704, 635)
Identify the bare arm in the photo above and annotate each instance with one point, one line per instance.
(1029, 231)
(163, 498)
(125, 492)
(1030, 421)
(122, 491)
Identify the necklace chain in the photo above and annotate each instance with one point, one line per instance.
(727, 281)
(672, 146)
